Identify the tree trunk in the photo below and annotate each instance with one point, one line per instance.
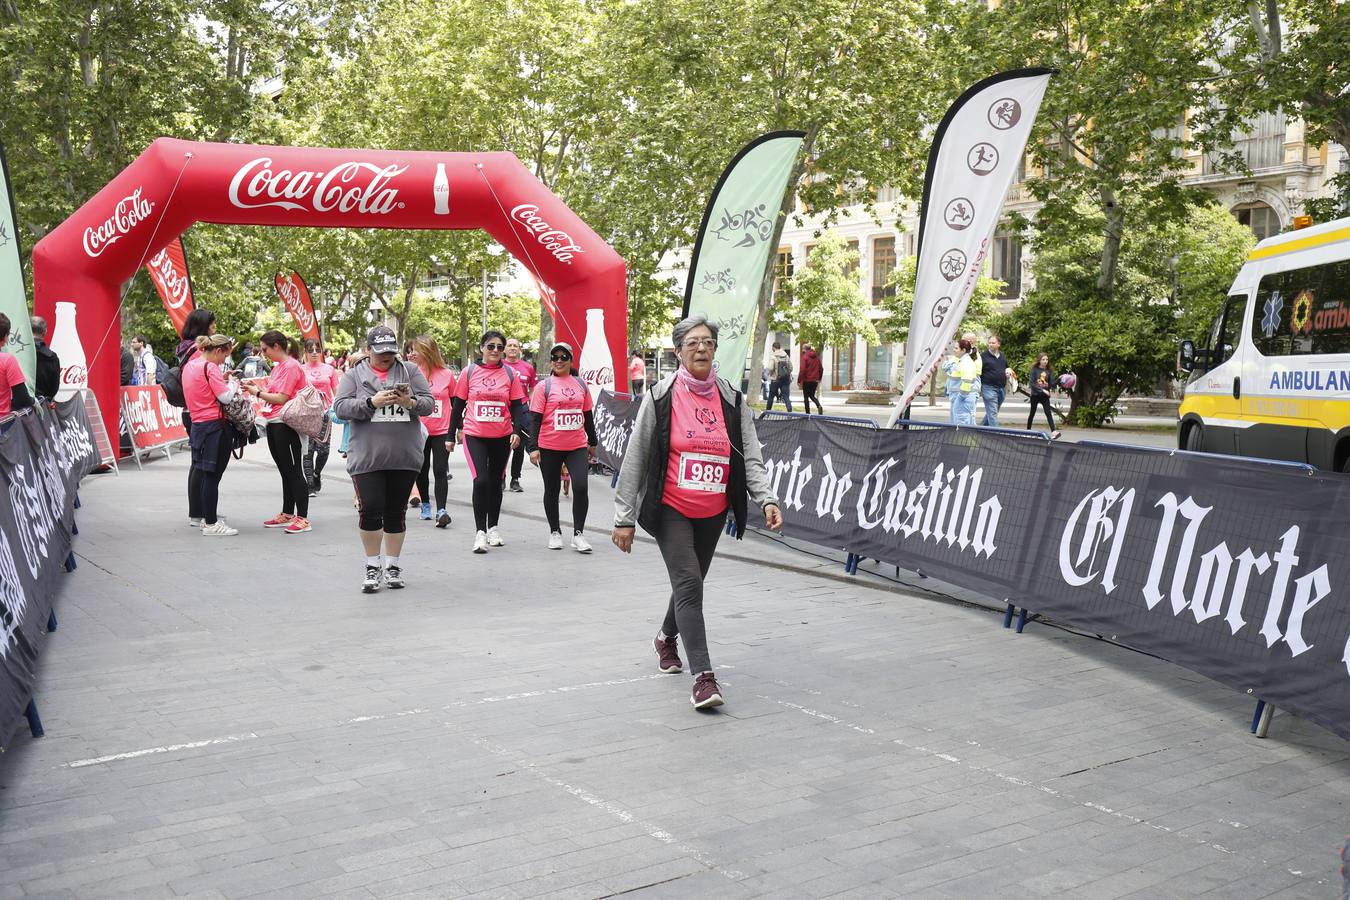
(547, 332)
(1115, 223)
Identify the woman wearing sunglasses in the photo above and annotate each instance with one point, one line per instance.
(488, 416)
(561, 429)
(692, 456)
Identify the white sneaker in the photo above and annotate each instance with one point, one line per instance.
(218, 529)
(555, 540)
(494, 537)
(480, 543)
(580, 544)
(194, 522)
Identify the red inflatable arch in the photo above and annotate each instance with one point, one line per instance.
(175, 183)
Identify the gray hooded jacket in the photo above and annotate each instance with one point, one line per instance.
(383, 446)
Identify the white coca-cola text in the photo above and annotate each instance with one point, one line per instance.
(555, 241)
(290, 295)
(172, 283)
(129, 212)
(360, 186)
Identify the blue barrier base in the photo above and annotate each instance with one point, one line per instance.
(51, 620)
(34, 723)
(70, 561)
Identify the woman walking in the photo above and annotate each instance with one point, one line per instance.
(489, 408)
(205, 388)
(381, 399)
(692, 455)
(284, 382)
(324, 378)
(562, 427)
(426, 355)
(1039, 384)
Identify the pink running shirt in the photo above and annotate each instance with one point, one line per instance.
(442, 383)
(698, 470)
(287, 378)
(562, 415)
(487, 394)
(202, 383)
(324, 379)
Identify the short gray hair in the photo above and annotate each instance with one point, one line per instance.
(684, 326)
(39, 327)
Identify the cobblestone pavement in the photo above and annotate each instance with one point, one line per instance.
(232, 718)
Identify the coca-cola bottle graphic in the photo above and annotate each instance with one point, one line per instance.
(66, 345)
(440, 189)
(597, 367)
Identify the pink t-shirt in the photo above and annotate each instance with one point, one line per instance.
(324, 379)
(698, 470)
(202, 384)
(526, 372)
(487, 394)
(562, 419)
(442, 383)
(287, 378)
(637, 370)
(11, 375)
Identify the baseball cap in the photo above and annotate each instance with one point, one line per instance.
(382, 339)
(564, 345)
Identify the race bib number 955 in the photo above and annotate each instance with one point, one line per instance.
(488, 411)
(704, 472)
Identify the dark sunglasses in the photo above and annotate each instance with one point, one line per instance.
(561, 357)
(494, 346)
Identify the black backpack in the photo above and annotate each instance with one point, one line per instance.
(784, 368)
(171, 379)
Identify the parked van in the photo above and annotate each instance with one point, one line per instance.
(1272, 379)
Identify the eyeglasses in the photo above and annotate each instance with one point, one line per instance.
(494, 346)
(699, 344)
(560, 357)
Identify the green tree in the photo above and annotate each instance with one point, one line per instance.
(822, 303)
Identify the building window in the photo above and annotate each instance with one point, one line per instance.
(888, 194)
(879, 366)
(1007, 265)
(1260, 218)
(782, 269)
(841, 373)
(852, 269)
(883, 264)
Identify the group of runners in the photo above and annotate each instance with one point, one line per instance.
(693, 458)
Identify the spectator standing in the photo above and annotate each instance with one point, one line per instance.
(323, 378)
(963, 380)
(809, 376)
(199, 323)
(284, 382)
(693, 456)
(205, 388)
(1040, 382)
(128, 367)
(527, 378)
(781, 385)
(637, 374)
(382, 400)
(426, 355)
(47, 372)
(146, 370)
(14, 394)
(993, 380)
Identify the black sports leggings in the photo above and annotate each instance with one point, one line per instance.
(687, 545)
(808, 394)
(383, 499)
(550, 469)
(285, 445)
(1041, 400)
(487, 462)
(435, 460)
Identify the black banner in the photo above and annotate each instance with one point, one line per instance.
(42, 459)
(1237, 570)
(614, 418)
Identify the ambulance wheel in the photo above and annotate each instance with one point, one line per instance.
(1195, 439)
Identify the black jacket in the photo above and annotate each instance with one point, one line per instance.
(47, 373)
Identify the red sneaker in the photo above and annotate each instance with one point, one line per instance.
(281, 520)
(297, 525)
(669, 656)
(706, 692)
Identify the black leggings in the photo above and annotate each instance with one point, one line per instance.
(550, 469)
(435, 455)
(487, 463)
(687, 545)
(210, 455)
(286, 449)
(809, 389)
(383, 499)
(1041, 400)
(316, 454)
(517, 461)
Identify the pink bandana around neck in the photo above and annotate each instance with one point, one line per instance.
(703, 387)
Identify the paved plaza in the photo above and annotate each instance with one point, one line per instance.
(232, 718)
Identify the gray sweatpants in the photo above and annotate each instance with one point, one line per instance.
(687, 545)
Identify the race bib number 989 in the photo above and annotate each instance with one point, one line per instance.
(704, 472)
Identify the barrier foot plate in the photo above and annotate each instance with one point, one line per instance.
(34, 723)
(70, 561)
(1008, 615)
(51, 620)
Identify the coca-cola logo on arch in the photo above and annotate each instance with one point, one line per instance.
(129, 212)
(174, 283)
(290, 295)
(557, 242)
(360, 186)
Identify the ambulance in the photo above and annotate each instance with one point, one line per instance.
(1272, 378)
